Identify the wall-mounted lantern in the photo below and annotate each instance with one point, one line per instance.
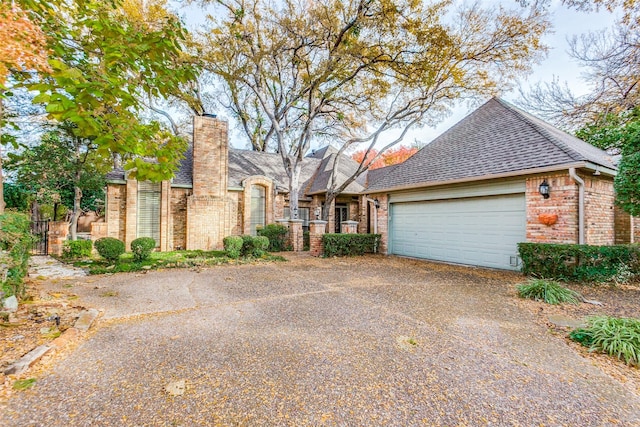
(376, 203)
(544, 189)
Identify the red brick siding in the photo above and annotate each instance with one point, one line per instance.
(599, 200)
(562, 201)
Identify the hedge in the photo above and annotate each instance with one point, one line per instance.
(277, 235)
(15, 247)
(233, 246)
(77, 249)
(582, 263)
(350, 244)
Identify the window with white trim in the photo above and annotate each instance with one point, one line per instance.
(148, 222)
(258, 208)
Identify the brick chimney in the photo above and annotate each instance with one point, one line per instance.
(210, 156)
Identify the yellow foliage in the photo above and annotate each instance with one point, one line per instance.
(23, 45)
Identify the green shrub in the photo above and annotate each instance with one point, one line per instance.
(584, 263)
(277, 235)
(616, 336)
(260, 245)
(110, 248)
(233, 246)
(548, 291)
(349, 244)
(247, 245)
(15, 245)
(77, 249)
(142, 248)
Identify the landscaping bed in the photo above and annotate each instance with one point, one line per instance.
(617, 301)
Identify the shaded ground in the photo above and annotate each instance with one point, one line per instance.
(360, 341)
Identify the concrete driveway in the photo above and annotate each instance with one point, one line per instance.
(349, 342)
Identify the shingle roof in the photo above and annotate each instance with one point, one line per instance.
(494, 139)
(346, 168)
(246, 163)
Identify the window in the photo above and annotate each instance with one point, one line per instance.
(149, 210)
(258, 207)
(303, 214)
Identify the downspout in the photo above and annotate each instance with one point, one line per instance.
(375, 214)
(580, 182)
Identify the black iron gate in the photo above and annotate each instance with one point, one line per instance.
(40, 229)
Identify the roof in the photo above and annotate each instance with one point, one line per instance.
(346, 168)
(246, 163)
(497, 138)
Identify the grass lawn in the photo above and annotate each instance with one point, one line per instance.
(173, 259)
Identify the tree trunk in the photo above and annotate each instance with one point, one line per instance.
(326, 210)
(73, 228)
(294, 188)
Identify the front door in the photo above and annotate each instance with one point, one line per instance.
(341, 215)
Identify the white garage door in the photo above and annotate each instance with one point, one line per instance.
(480, 231)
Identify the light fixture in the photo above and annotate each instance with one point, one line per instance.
(376, 203)
(544, 189)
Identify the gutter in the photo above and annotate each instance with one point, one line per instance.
(580, 182)
(518, 173)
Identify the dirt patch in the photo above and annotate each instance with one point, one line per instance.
(617, 301)
(41, 318)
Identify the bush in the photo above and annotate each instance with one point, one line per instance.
(583, 263)
(277, 235)
(77, 249)
(616, 336)
(260, 245)
(110, 248)
(233, 246)
(548, 291)
(142, 248)
(349, 244)
(15, 247)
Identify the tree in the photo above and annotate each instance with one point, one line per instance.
(352, 71)
(23, 47)
(392, 156)
(620, 134)
(611, 62)
(104, 65)
(63, 165)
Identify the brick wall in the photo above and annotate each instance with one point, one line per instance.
(178, 215)
(562, 201)
(635, 229)
(131, 223)
(210, 156)
(599, 199)
(116, 210)
(316, 231)
(622, 226)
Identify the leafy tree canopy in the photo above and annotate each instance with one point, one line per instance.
(105, 62)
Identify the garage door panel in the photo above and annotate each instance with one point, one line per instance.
(479, 231)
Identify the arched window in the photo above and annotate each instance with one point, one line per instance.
(258, 207)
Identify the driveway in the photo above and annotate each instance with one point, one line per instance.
(349, 342)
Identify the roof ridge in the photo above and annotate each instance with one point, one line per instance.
(531, 121)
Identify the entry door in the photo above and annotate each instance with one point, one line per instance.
(342, 214)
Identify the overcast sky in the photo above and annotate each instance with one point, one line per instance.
(566, 23)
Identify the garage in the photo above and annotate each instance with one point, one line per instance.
(482, 231)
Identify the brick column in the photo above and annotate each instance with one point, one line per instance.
(295, 235)
(349, 227)
(131, 221)
(98, 230)
(316, 231)
(58, 231)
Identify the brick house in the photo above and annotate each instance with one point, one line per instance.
(220, 191)
(467, 197)
(476, 191)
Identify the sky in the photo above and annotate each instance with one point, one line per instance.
(558, 64)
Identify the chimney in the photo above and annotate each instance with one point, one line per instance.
(210, 156)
